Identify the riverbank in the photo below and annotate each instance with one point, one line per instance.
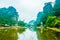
(8, 33)
(48, 34)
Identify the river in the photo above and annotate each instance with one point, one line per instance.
(28, 35)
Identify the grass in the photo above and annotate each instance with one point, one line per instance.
(8, 33)
(48, 34)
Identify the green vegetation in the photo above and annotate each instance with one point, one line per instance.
(8, 20)
(48, 34)
(21, 23)
(8, 16)
(53, 21)
(57, 8)
(8, 33)
(50, 16)
(47, 11)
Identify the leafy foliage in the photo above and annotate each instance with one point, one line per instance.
(57, 8)
(52, 21)
(47, 11)
(48, 8)
(8, 16)
(51, 15)
(44, 17)
(21, 23)
(38, 20)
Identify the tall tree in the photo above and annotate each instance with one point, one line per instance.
(13, 14)
(57, 8)
(8, 16)
(42, 16)
(48, 8)
(38, 19)
(48, 11)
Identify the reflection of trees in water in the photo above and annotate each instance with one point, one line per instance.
(27, 35)
(31, 25)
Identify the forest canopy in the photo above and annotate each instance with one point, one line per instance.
(8, 16)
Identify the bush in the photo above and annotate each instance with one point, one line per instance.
(52, 21)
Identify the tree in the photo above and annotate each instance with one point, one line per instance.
(42, 16)
(31, 23)
(52, 21)
(38, 19)
(57, 8)
(47, 11)
(8, 16)
(13, 14)
(21, 23)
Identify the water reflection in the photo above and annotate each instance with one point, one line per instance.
(27, 35)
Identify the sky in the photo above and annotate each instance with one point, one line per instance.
(27, 9)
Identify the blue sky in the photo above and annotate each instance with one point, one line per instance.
(27, 9)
